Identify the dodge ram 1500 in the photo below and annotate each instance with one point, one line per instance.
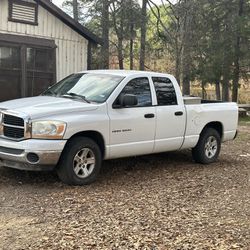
(93, 116)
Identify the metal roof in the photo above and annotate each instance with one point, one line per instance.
(54, 10)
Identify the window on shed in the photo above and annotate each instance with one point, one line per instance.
(23, 11)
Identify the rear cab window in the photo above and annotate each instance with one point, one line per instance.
(165, 91)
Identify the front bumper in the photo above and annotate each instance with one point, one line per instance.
(32, 154)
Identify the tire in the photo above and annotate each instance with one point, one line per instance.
(208, 147)
(80, 162)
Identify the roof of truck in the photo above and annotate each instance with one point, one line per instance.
(125, 73)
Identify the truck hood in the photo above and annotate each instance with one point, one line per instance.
(46, 106)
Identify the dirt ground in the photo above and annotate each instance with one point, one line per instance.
(162, 201)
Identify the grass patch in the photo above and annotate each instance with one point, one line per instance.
(243, 137)
(244, 121)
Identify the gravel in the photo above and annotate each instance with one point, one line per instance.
(162, 201)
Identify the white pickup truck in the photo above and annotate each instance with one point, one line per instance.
(98, 115)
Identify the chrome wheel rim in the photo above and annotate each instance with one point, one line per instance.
(211, 147)
(84, 163)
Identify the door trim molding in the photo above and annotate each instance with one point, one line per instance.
(27, 40)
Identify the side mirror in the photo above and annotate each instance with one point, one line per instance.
(129, 100)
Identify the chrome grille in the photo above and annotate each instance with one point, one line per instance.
(13, 127)
(15, 133)
(13, 120)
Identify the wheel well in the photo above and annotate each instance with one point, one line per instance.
(95, 136)
(215, 125)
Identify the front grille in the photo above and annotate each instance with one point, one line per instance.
(13, 120)
(16, 133)
(13, 127)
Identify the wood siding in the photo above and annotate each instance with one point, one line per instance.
(71, 52)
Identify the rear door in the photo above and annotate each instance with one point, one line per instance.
(132, 129)
(170, 123)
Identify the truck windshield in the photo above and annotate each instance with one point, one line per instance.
(89, 87)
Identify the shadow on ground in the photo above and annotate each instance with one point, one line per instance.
(117, 168)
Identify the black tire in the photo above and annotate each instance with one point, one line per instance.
(69, 163)
(200, 153)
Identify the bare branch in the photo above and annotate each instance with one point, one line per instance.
(171, 6)
(166, 10)
(158, 17)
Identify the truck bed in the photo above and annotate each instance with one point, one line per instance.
(188, 100)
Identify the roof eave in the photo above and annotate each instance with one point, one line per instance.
(53, 9)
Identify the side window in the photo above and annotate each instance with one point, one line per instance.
(165, 91)
(139, 87)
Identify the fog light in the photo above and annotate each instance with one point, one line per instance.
(32, 157)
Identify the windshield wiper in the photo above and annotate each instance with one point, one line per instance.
(49, 92)
(78, 96)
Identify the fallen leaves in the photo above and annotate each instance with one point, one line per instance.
(153, 202)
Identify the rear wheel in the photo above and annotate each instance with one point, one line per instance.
(208, 147)
(80, 162)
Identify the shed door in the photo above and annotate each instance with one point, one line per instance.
(40, 67)
(10, 72)
(25, 70)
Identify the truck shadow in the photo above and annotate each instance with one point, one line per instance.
(139, 169)
(113, 170)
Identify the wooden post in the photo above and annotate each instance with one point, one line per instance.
(23, 71)
(89, 59)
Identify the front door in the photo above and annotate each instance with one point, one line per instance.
(132, 129)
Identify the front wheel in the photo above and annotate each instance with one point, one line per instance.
(80, 162)
(208, 147)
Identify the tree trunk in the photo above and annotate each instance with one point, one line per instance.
(105, 34)
(75, 10)
(217, 90)
(226, 64)
(178, 65)
(120, 52)
(236, 72)
(203, 90)
(227, 55)
(186, 70)
(225, 84)
(143, 34)
(186, 57)
(131, 47)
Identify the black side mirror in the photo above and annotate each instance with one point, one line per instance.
(129, 100)
(126, 100)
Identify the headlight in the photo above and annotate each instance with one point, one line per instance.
(48, 129)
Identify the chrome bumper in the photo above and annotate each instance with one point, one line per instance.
(15, 154)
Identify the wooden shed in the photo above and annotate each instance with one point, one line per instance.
(39, 45)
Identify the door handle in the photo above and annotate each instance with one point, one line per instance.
(178, 113)
(149, 115)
